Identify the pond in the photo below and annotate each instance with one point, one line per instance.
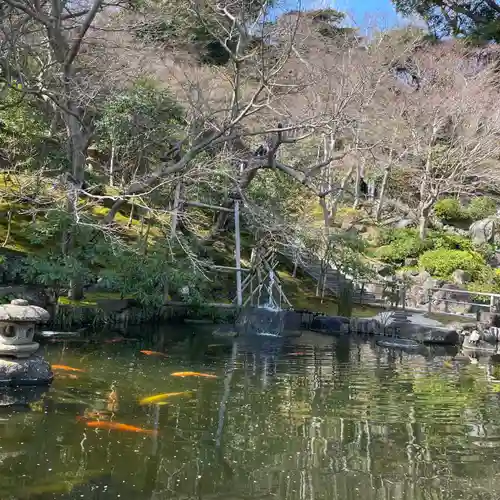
(306, 418)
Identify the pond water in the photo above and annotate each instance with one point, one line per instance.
(307, 418)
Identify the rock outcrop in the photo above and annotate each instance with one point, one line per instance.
(446, 297)
(483, 231)
(417, 327)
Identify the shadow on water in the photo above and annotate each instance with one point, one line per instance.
(313, 417)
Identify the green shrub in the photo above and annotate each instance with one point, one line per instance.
(386, 253)
(390, 235)
(400, 244)
(442, 262)
(481, 207)
(450, 241)
(449, 209)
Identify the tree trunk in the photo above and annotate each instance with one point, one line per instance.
(336, 199)
(9, 226)
(383, 188)
(357, 186)
(423, 224)
(77, 145)
(112, 165)
(426, 201)
(131, 216)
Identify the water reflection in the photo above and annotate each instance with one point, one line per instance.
(307, 418)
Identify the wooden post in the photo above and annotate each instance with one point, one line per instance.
(429, 307)
(492, 303)
(237, 251)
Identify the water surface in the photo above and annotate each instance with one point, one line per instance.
(309, 418)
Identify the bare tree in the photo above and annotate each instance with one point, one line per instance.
(52, 42)
(452, 126)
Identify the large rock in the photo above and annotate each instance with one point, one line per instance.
(417, 327)
(446, 297)
(384, 269)
(452, 298)
(461, 277)
(411, 262)
(332, 325)
(403, 223)
(483, 231)
(366, 326)
(31, 371)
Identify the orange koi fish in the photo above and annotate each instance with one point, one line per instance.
(193, 374)
(161, 397)
(67, 368)
(153, 353)
(115, 426)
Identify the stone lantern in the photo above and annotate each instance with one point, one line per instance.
(18, 364)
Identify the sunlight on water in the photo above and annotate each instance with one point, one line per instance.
(308, 418)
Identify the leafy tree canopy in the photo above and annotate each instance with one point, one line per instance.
(478, 20)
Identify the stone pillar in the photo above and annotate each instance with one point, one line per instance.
(18, 363)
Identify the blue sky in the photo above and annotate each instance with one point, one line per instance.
(361, 13)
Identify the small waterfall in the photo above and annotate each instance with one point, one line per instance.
(267, 318)
(271, 304)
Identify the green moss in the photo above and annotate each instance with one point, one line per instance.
(351, 214)
(77, 303)
(91, 299)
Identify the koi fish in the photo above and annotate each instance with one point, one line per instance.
(114, 340)
(69, 375)
(296, 353)
(67, 368)
(153, 353)
(448, 364)
(193, 374)
(161, 397)
(115, 426)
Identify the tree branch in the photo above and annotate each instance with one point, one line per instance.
(75, 47)
(39, 16)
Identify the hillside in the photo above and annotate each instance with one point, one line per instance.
(113, 143)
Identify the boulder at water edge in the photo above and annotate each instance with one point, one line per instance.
(415, 326)
(332, 325)
(29, 371)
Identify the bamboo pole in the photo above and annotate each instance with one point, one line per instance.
(239, 294)
(206, 205)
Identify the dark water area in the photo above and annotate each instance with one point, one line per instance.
(306, 418)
